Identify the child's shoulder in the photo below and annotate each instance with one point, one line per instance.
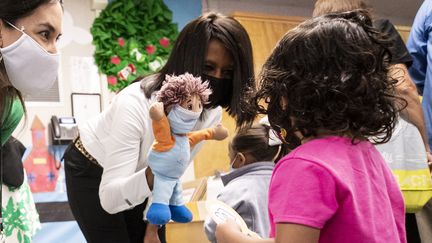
(325, 152)
(332, 145)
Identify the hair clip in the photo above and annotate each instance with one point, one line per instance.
(274, 138)
(273, 135)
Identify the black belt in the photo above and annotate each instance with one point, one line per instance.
(80, 147)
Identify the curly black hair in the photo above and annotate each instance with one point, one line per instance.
(332, 71)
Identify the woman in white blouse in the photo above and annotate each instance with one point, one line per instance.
(106, 169)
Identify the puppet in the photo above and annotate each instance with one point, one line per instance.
(180, 104)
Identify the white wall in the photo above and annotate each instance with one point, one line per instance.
(82, 17)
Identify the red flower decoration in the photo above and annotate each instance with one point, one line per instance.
(132, 67)
(121, 41)
(150, 49)
(115, 60)
(164, 42)
(112, 80)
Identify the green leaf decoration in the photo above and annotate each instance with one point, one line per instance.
(140, 23)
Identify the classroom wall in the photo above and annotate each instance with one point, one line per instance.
(183, 11)
(400, 12)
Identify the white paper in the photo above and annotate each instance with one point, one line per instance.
(85, 106)
(84, 75)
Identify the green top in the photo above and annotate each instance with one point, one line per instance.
(12, 120)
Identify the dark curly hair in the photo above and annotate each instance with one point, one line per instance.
(332, 71)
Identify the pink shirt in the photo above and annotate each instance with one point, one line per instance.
(347, 191)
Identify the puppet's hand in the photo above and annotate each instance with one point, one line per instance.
(220, 132)
(157, 111)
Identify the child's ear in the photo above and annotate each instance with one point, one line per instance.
(241, 159)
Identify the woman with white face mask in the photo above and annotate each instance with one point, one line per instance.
(29, 61)
(29, 30)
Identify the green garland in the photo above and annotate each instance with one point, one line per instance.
(132, 38)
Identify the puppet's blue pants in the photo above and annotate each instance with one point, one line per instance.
(167, 168)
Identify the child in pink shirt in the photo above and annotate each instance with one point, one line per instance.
(327, 92)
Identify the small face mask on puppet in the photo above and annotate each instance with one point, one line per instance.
(182, 120)
(221, 91)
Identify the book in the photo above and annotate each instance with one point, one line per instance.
(220, 212)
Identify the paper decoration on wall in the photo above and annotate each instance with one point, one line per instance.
(40, 163)
(132, 46)
(72, 33)
(84, 75)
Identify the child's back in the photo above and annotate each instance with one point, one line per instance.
(346, 187)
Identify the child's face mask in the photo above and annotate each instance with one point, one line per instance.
(30, 68)
(232, 163)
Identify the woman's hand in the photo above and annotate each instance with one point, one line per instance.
(228, 232)
(150, 177)
(429, 160)
(157, 111)
(151, 234)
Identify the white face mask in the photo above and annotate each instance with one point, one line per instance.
(30, 68)
(232, 163)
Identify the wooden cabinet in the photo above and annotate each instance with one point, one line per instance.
(265, 31)
(403, 31)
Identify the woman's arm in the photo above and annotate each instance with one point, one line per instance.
(285, 233)
(122, 186)
(413, 113)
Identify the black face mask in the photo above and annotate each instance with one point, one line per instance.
(221, 91)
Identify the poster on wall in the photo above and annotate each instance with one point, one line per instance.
(40, 164)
